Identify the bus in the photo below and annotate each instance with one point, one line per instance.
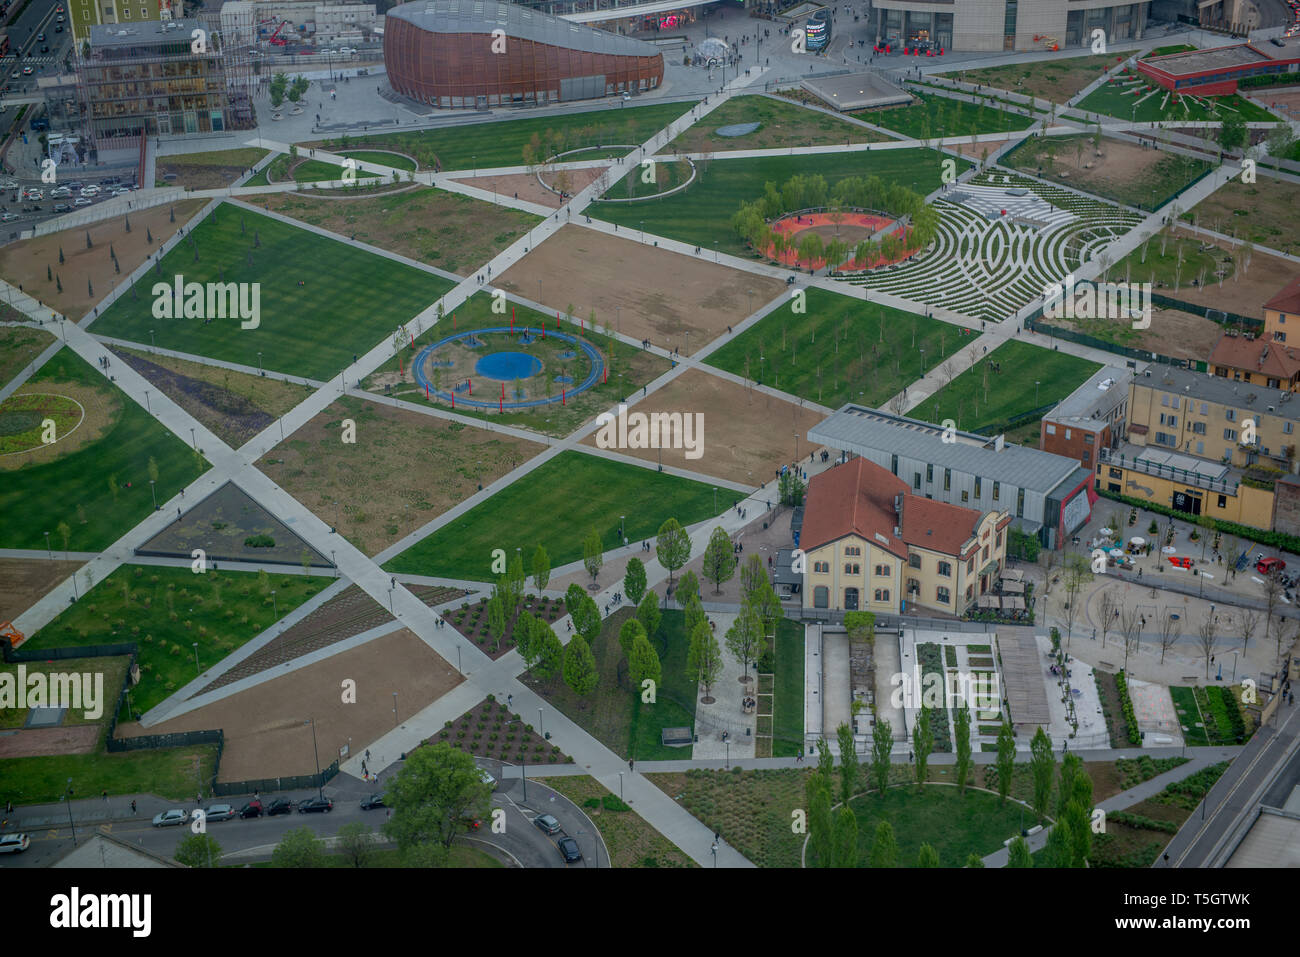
(818, 30)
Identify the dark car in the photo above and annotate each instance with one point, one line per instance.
(59, 28)
(45, 49)
(40, 38)
(569, 850)
(251, 809)
(372, 802)
(315, 806)
(547, 823)
(279, 806)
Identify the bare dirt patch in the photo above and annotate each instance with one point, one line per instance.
(19, 346)
(519, 185)
(1262, 212)
(24, 582)
(571, 180)
(1287, 100)
(234, 405)
(266, 729)
(671, 299)
(404, 469)
(87, 274)
(206, 170)
(34, 742)
(1182, 335)
(100, 408)
(1246, 291)
(978, 150)
(746, 434)
(432, 226)
(1054, 79)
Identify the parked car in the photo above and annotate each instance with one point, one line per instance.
(82, 201)
(315, 806)
(372, 802)
(279, 806)
(91, 190)
(15, 75)
(1267, 566)
(62, 208)
(10, 184)
(60, 191)
(8, 217)
(75, 185)
(568, 848)
(171, 818)
(251, 809)
(487, 779)
(219, 812)
(33, 194)
(59, 28)
(14, 843)
(547, 823)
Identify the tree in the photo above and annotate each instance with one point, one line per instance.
(1060, 846)
(299, 848)
(1249, 622)
(198, 850)
(752, 577)
(1109, 608)
(688, 589)
(1006, 758)
(767, 606)
(1042, 764)
(928, 857)
(1018, 854)
(882, 747)
(1280, 140)
(848, 763)
(64, 532)
(922, 743)
(745, 636)
(1207, 629)
(817, 792)
(719, 559)
(791, 488)
(644, 662)
(550, 652)
(1076, 572)
(1130, 621)
(1171, 627)
(541, 568)
(593, 553)
(965, 762)
(648, 613)
(584, 612)
(434, 792)
(860, 625)
(634, 581)
(496, 617)
(1232, 133)
(1077, 816)
(526, 636)
(704, 660)
(974, 860)
(846, 838)
(884, 850)
(356, 842)
(628, 634)
(579, 666)
(672, 547)
(1071, 768)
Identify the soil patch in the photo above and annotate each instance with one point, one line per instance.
(472, 622)
(23, 582)
(519, 185)
(206, 170)
(491, 729)
(33, 742)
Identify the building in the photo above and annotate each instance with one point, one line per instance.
(995, 25)
(1215, 72)
(1281, 308)
(1215, 418)
(102, 850)
(445, 53)
(1265, 362)
(146, 80)
(84, 14)
(306, 21)
(1047, 495)
(1092, 417)
(870, 544)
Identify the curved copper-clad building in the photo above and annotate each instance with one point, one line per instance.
(445, 53)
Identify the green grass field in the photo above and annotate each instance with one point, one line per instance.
(165, 610)
(382, 158)
(169, 773)
(930, 116)
(352, 299)
(1116, 99)
(556, 505)
(1153, 266)
(675, 697)
(788, 698)
(781, 123)
(1031, 377)
(835, 353)
(485, 145)
(702, 213)
(955, 825)
(75, 489)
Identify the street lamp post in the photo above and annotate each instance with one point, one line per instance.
(541, 729)
(620, 785)
(334, 562)
(197, 670)
(320, 790)
(68, 797)
(146, 402)
(152, 492)
(151, 341)
(194, 440)
(48, 550)
(1037, 382)
(275, 607)
(394, 709)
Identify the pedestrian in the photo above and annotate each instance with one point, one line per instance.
(132, 806)
(629, 764)
(105, 795)
(178, 513)
(799, 757)
(510, 698)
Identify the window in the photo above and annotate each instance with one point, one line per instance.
(852, 550)
(821, 596)
(998, 540)
(893, 464)
(913, 587)
(1223, 501)
(1198, 428)
(929, 473)
(914, 560)
(943, 596)
(822, 568)
(1200, 448)
(970, 592)
(1051, 430)
(947, 480)
(126, 13)
(997, 488)
(1067, 435)
(984, 556)
(1205, 408)
(1164, 438)
(916, 480)
(852, 568)
(882, 594)
(977, 486)
(970, 565)
(1230, 415)
(965, 495)
(1230, 434)
(1164, 400)
(882, 571)
(1020, 503)
(1089, 438)
(1288, 427)
(945, 569)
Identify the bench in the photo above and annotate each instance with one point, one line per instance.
(1107, 665)
(676, 737)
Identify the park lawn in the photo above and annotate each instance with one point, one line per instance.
(666, 174)
(1116, 99)
(112, 669)
(75, 488)
(1262, 213)
(495, 144)
(172, 773)
(812, 355)
(788, 697)
(630, 369)
(676, 695)
(19, 346)
(979, 401)
(701, 214)
(381, 158)
(954, 824)
(1055, 79)
(352, 299)
(930, 115)
(1189, 716)
(630, 840)
(286, 167)
(442, 229)
(781, 123)
(165, 610)
(1181, 261)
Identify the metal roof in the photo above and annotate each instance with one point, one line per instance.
(1207, 387)
(518, 23)
(1104, 389)
(858, 428)
(144, 32)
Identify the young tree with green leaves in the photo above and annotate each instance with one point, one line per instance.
(928, 857)
(817, 792)
(1006, 759)
(1071, 767)
(922, 743)
(1060, 845)
(299, 848)
(550, 653)
(356, 844)
(745, 637)
(1042, 764)
(848, 763)
(579, 666)
(541, 569)
(672, 547)
(649, 614)
(965, 761)
(436, 788)
(704, 660)
(884, 850)
(752, 577)
(882, 747)
(643, 663)
(198, 850)
(593, 553)
(634, 581)
(516, 579)
(628, 633)
(719, 559)
(526, 637)
(846, 838)
(974, 860)
(1018, 854)
(584, 611)
(860, 625)
(496, 617)
(688, 589)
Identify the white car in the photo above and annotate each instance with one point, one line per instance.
(8, 217)
(487, 779)
(33, 194)
(9, 184)
(14, 843)
(170, 818)
(90, 190)
(59, 192)
(82, 201)
(119, 191)
(347, 51)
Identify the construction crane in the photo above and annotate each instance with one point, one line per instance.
(275, 37)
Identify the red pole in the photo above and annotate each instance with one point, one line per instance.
(412, 340)
(399, 363)
(605, 374)
(426, 390)
(453, 398)
(471, 386)
(562, 395)
(499, 404)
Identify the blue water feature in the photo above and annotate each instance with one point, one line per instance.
(564, 379)
(508, 366)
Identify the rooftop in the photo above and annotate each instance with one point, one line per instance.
(1206, 387)
(1272, 359)
(856, 91)
(144, 33)
(1217, 58)
(1088, 404)
(857, 428)
(1288, 300)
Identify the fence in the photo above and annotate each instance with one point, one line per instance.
(1083, 339)
(296, 782)
(61, 654)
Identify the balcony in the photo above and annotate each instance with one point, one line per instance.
(1197, 474)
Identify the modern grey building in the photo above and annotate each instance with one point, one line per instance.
(990, 25)
(1048, 495)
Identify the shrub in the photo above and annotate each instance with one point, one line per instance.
(1126, 703)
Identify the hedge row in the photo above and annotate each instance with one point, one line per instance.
(1145, 823)
(1279, 540)
(1126, 703)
